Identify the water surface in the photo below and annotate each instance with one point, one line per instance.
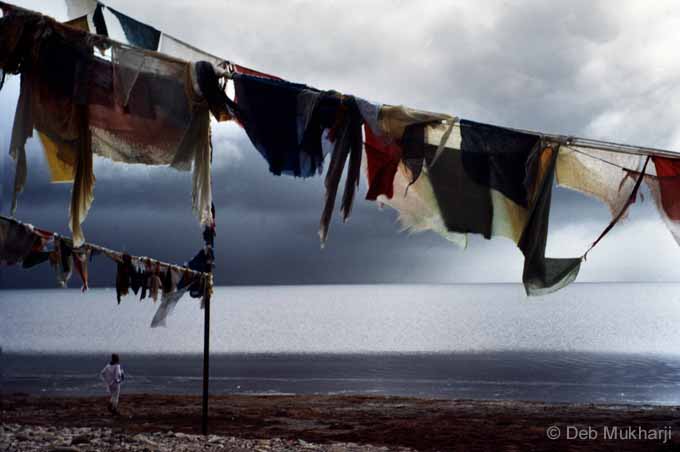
(605, 343)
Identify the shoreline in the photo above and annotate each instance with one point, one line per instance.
(343, 420)
(551, 377)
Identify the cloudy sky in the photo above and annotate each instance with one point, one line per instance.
(582, 68)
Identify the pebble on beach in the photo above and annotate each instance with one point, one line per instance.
(24, 438)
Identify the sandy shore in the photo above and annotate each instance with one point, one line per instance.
(331, 423)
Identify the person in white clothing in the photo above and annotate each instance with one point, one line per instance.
(112, 375)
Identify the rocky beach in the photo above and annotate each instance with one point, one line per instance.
(323, 423)
(28, 438)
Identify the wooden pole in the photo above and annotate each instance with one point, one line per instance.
(206, 361)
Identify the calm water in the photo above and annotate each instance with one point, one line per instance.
(602, 343)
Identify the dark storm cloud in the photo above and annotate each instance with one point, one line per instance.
(578, 68)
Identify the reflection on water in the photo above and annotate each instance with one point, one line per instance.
(602, 343)
(619, 318)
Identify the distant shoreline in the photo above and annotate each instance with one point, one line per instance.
(422, 424)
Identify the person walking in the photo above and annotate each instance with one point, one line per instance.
(112, 375)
